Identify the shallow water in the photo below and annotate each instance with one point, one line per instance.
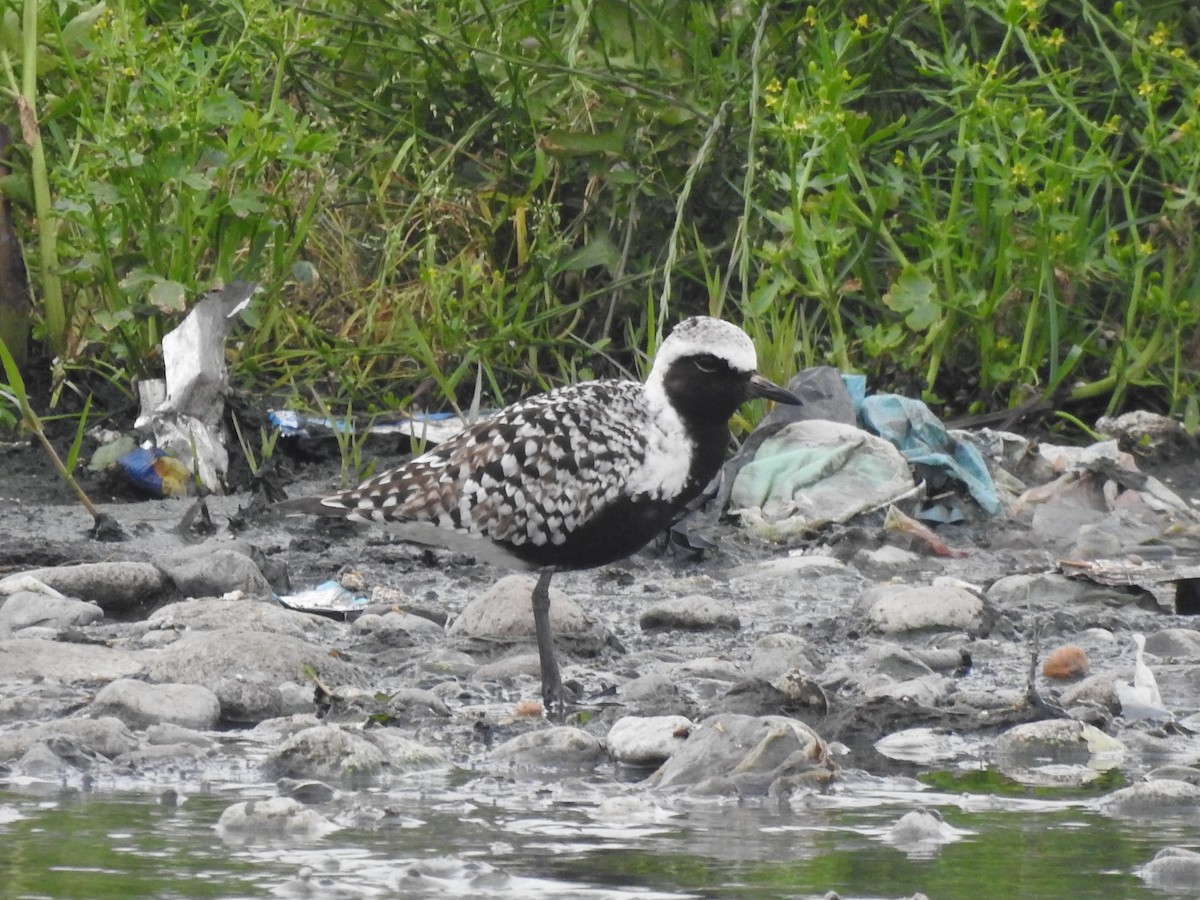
(497, 837)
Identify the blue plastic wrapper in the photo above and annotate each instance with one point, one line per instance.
(149, 469)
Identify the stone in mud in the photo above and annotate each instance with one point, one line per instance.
(695, 612)
(509, 668)
(398, 629)
(333, 752)
(26, 609)
(1174, 644)
(107, 736)
(1060, 741)
(204, 572)
(442, 662)
(1158, 799)
(931, 690)
(895, 662)
(646, 740)
(558, 746)
(23, 659)
(1095, 690)
(169, 733)
(113, 586)
(279, 817)
(39, 700)
(1045, 590)
(777, 654)
(506, 612)
(139, 704)
(241, 615)
(745, 754)
(168, 759)
(245, 668)
(899, 608)
(1174, 869)
(655, 694)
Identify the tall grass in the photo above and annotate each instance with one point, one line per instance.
(980, 201)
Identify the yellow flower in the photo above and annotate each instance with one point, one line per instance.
(898, 157)
(862, 22)
(1020, 171)
(810, 18)
(1159, 37)
(1145, 89)
(1146, 247)
(773, 86)
(1056, 39)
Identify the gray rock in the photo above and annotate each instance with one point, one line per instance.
(898, 608)
(169, 759)
(1095, 690)
(745, 754)
(332, 752)
(772, 661)
(1174, 644)
(646, 740)
(655, 694)
(241, 615)
(695, 612)
(279, 817)
(1173, 869)
(714, 668)
(39, 700)
(168, 733)
(204, 572)
(106, 736)
(25, 609)
(507, 668)
(553, 747)
(446, 663)
(896, 662)
(113, 586)
(1155, 799)
(23, 659)
(139, 704)
(245, 668)
(1060, 741)
(1046, 590)
(929, 691)
(505, 611)
(399, 629)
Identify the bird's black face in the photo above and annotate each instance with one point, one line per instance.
(704, 388)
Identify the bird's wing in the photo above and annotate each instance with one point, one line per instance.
(536, 469)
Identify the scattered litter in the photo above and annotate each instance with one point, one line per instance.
(434, 427)
(184, 410)
(327, 599)
(923, 439)
(1174, 586)
(1141, 700)
(898, 523)
(814, 472)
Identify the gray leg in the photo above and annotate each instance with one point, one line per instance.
(552, 689)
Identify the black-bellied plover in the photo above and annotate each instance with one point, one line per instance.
(578, 477)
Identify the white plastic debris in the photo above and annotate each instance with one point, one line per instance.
(184, 411)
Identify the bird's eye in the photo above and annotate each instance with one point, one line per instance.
(709, 365)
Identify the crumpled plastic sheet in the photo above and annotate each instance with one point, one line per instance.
(911, 427)
(814, 472)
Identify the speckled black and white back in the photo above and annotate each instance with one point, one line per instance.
(581, 475)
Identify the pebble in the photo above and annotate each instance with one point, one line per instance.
(505, 611)
(340, 753)
(898, 608)
(25, 609)
(278, 817)
(22, 659)
(746, 754)
(1066, 663)
(561, 746)
(205, 572)
(113, 586)
(1173, 869)
(140, 705)
(695, 612)
(646, 740)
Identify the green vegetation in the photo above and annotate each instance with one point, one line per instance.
(980, 201)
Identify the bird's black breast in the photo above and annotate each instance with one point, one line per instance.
(623, 527)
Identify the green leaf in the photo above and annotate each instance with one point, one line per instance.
(599, 251)
(913, 294)
(168, 296)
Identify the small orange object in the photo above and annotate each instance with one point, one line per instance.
(530, 709)
(1066, 662)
